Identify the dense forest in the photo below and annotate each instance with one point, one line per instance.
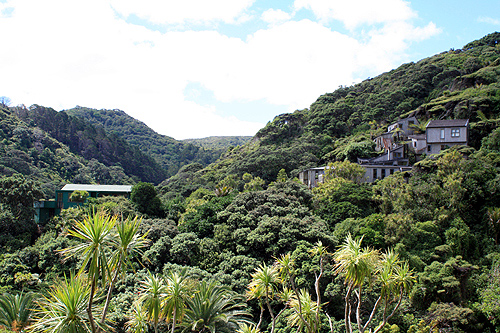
(171, 154)
(240, 245)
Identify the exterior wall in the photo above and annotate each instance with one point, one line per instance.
(404, 124)
(436, 148)
(44, 210)
(433, 135)
(418, 145)
(436, 143)
(374, 172)
(312, 177)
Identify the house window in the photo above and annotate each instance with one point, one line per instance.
(383, 173)
(374, 173)
(429, 148)
(442, 133)
(455, 132)
(414, 144)
(392, 171)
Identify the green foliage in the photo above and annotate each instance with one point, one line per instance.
(488, 303)
(337, 199)
(171, 154)
(78, 196)
(63, 308)
(17, 196)
(349, 171)
(16, 311)
(146, 199)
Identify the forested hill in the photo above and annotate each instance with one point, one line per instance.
(171, 154)
(28, 150)
(92, 142)
(219, 143)
(462, 83)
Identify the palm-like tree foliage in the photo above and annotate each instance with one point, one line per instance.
(16, 311)
(177, 291)
(354, 262)
(358, 264)
(263, 284)
(420, 126)
(153, 291)
(63, 310)
(138, 322)
(309, 312)
(214, 308)
(245, 328)
(95, 233)
(125, 243)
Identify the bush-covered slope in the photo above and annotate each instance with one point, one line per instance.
(28, 150)
(171, 154)
(92, 142)
(463, 83)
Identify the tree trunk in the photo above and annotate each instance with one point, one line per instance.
(89, 307)
(108, 296)
(348, 326)
(174, 319)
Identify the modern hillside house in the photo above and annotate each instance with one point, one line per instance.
(45, 209)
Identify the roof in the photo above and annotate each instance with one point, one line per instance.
(417, 136)
(448, 123)
(400, 121)
(97, 188)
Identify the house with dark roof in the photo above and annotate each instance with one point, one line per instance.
(45, 209)
(443, 134)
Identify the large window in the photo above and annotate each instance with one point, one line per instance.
(455, 132)
(442, 133)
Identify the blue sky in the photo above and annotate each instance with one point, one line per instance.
(197, 68)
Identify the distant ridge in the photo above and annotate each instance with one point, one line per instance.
(171, 154)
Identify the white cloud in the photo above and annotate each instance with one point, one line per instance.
(357, 12)
(489, 20)
(62, 54)
(178, 12)
(275, 16)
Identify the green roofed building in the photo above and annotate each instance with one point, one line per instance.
(45, 209)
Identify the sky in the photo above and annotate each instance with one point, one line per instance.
(198, 68)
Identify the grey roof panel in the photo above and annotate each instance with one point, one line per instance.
(448, 123)
(97, 188)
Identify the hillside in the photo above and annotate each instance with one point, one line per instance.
(219, 143)
(28, 150)
(414, 251)
(92, 142)
(171, 154)
(462, 83)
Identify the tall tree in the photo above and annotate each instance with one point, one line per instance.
(264, 282)
(95, 235)
(357, 265)
(152, 298)
(177, 291)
